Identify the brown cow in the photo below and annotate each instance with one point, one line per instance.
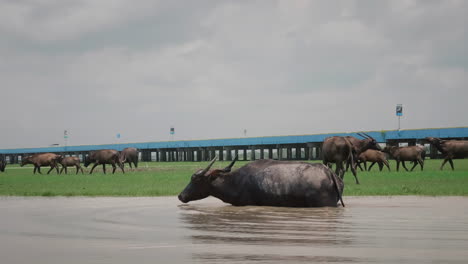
(373, 156)
(104, 156)
(451, 149)
(415, 154)
(339, 150)
(342, 149)
(70, 162)
(41, 159)
(129, 155)
(361, 145)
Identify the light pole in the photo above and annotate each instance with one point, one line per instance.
(65, 137)
(399, 113)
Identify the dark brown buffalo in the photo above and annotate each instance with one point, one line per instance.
(129, 155)
(415, 154)
(342, 149)
(2, 165)
(41, 159)
(339, 150)
(70, 162)
(451, 149)
(373, 156)
(361, 145)
(103, 157)
(267, 183)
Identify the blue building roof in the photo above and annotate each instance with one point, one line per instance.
(380, 136)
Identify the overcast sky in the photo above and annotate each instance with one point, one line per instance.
(214, 68)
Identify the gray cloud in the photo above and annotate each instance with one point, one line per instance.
(213, 69)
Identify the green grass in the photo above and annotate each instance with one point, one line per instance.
(165, 178)
(431, 181)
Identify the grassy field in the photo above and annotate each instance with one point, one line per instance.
(164, 178)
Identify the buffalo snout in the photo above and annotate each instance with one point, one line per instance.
(182, 198)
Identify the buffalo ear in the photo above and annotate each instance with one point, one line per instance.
(214, 174)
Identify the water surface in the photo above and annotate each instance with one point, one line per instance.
(162, 230)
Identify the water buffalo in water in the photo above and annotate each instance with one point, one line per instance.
(373, 156)
(346, 149)
(267, 183)
(70, 162)
(416, 154)
(129, 155)
(103, 157)
(41, 159)
(451, 149)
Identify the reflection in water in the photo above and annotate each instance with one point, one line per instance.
(240, 258)
(369, 230)
(230, 226)
(264, 225)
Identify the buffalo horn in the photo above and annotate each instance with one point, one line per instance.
(209, 166)
(367, 135)
(228, 168)
(361, 135)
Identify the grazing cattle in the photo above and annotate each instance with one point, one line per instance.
(129, 155)
(267, 183)
(415, 154)
(373, 156)
(451, 149)
(361, 145)
(103, 157)
(342, 149)
(70, 162)
(2, 165)
(41, 159)
(339, 150)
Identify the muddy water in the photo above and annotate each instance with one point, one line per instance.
(162, 230)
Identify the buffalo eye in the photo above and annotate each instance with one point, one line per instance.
(195, 177)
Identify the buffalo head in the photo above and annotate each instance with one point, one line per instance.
(370, 142)
(199, 186)
(59, 158)
(25, 160)
(87, 161)
(433, 140)
(389, 149)
(122, 157)
(120, 163)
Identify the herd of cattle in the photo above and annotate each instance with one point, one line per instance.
(99, 157)
(354, 151)
(301, 184)
(273, 182)
(348, 150)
